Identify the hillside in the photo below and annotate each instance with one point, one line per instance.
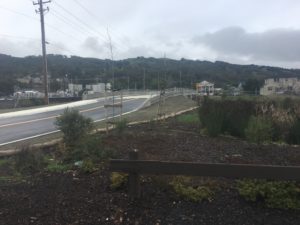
(87, 70)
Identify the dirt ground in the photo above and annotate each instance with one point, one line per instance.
(74, 197)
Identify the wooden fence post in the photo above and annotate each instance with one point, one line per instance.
(134, 178)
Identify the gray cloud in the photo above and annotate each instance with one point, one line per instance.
(271, 45)
(20, 48)
(93, 45)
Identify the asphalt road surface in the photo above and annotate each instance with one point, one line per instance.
(23, 127)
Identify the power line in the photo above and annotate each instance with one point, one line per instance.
(19, 37)
(82, 22)
(37, 20)
(62, 18)
(94, 16)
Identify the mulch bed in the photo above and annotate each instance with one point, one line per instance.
(74, 197)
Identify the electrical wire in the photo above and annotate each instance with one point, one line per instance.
(94, 16)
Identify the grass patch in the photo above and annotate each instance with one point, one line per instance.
(118, 180)
(4, 162)
(184, 188)
(274, 194)
(56, 167)
(188, 118)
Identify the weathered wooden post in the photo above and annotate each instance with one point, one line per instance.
(134, 178)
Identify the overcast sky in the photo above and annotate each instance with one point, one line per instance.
(246, 32)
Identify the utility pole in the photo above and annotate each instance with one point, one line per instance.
(113, 73)
(180, 84)
(165, 70)
(128, 82)
(144, 80)
(41, 11)
(158, 81)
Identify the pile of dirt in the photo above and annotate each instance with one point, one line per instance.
(75, 197)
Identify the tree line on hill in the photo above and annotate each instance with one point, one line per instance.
(132, 73)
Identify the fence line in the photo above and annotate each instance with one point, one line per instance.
(135, 167)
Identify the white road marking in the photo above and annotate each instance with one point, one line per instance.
(27, 138)
(55, 131)
(51, 117)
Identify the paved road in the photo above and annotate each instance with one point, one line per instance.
(23, 127)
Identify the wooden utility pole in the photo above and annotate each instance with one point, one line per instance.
(180, 84)
(128, 82)
(41, 11)
(144, 80)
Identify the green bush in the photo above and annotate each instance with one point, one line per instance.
(236, 116)
(259, 130)
(225, 116)
(56, 167)
(74, 126)
(188, 118)
(211, 116)
(121, 125)
(293, 136)
(182, 187)
(285, 195)
(118, 180)
(91, 147)
(29, 161)
(88, 166)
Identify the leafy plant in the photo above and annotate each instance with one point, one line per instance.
(193, 193)
(88, 166)
(293, 136)
(118, 180)
(29, 161)
(56, 167)
(259, 130)
(121, 125)
(211, 117)
(90, 148)
(285, 195)
(188, 118)
(74, 126)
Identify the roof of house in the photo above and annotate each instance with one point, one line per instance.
(206, 83)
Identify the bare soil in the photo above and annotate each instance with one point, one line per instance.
(74, 197)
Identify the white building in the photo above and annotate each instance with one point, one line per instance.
(98, 88)
(75, 88)
(28, 94)
(205, 88)
(275, 86)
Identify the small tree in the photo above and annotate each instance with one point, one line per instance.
(74, 126)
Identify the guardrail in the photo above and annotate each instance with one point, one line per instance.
(136, 167)
(170, 91)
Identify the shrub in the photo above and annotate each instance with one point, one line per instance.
(91, 147)
(29, 161)
(226, 116)
(293, 136)
(121, 125)
(259, 130)
(182, 188)
(56, 167)
(236, 116)
(88, 166)
(118, 180)
(188, 118)
(211, 116)
(285, 195)
(74, 126)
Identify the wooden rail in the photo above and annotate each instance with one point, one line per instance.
(135, 167)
